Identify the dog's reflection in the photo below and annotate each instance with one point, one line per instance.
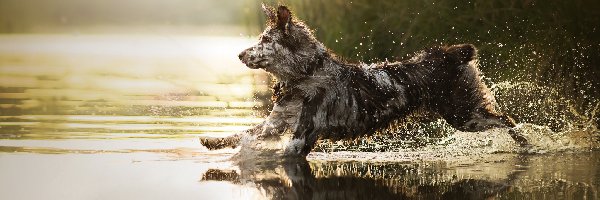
(301, 179)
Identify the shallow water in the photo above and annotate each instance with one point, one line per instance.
(118, 116)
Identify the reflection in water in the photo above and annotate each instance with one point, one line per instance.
(118, 116)
(504, 176)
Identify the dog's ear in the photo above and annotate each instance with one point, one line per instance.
(284, 17)
(270, 12)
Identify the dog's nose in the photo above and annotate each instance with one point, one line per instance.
(242, 54)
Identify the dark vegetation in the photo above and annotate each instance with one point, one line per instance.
(546, 52)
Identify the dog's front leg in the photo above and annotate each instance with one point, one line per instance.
(281, 116)
(270, 127)
(232, 141)
(279, 119)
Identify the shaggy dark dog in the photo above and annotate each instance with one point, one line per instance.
(318, 96)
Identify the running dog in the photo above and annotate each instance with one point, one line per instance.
(317, 95)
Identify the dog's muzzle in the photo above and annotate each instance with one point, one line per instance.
(250, 60)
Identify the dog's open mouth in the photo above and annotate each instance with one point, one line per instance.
(258, 64)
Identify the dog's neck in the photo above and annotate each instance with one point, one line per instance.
(325, 64)
(300, 71)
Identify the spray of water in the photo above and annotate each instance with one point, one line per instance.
(551, 122)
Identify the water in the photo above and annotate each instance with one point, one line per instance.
(118, 116)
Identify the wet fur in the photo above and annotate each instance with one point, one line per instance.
(319, 96)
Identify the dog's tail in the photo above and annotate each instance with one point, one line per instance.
(463, 53)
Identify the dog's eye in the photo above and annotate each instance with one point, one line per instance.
(265, 39)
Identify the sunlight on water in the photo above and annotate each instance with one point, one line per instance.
(63, 86)
(107, 102)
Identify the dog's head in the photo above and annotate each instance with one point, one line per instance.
(286, 48)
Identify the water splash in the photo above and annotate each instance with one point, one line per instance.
(549, 120)
(546, 106)
(473, 146)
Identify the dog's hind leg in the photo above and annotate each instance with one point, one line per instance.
(514, 133)
(469, 104)
(485, 120)
(518, 137)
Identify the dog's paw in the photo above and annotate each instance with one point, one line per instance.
(519, 138)
(479, 123)
(221, 175)
(213, 143)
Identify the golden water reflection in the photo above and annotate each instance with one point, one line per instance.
(64, 86)
(88, 116)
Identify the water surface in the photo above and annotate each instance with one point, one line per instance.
(118, 116)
